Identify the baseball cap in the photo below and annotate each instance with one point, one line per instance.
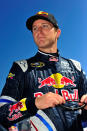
(41, 15)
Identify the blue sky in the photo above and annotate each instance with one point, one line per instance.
(16, 42)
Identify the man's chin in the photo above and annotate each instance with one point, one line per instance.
(41, 45)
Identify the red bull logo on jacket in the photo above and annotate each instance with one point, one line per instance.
(16, 107)
(15, 110)
(57, 81)
(48, 81)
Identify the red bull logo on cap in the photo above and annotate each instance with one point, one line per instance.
(57, 81)
(42, 13)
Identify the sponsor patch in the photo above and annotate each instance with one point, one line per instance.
(11, 75)
(15, 110)
(56, 80)
(37, 64)
(53, 58)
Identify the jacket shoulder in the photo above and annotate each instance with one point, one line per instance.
(22, 64)
(76, 64)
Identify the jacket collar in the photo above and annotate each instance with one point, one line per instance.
(49, 54)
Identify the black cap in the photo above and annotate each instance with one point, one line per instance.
(41, 15)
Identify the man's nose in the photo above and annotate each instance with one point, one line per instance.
(39, 28)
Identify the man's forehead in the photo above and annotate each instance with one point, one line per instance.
(40, 21)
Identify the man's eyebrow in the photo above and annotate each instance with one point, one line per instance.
(41, 23)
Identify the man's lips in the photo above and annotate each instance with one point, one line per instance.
(41, 38)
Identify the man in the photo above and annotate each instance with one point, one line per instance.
(39, 88)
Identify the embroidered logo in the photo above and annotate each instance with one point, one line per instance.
(37, 64)
(53, 58)
(56, 80)
(11, 75)
(15, 110)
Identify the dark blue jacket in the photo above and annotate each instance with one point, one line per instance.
(36, 76)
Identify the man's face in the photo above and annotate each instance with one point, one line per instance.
(44, 33)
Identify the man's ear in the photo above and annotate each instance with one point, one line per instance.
(58, 33)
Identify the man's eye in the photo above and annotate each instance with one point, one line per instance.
(45, 26)
(34, 28)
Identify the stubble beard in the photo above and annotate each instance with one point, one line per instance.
(46, 45)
